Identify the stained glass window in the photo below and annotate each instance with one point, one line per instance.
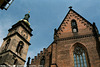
(80, 57)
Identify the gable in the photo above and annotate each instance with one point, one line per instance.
(65, 29)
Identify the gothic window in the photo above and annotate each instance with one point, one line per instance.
(20, 47)
(42, 62)
(74, 26)
(50, 61)
(80, 57)
(7, 44)
(0, 58)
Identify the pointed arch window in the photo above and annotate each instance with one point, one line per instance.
(20, 47)
(80, 57)
(42, 62)
(7, 44)
(74, 26)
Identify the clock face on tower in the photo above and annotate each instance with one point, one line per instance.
(24, 34)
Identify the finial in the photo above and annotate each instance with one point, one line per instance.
(70, 7)
(93, 23)
(27, 16)
(28, 11)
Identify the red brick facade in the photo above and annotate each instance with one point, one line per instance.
(60, 52)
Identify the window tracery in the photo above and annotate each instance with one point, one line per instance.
(80, 57)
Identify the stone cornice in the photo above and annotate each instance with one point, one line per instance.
(14, 54)
(16, 33)
(20, 24)
(74, 37)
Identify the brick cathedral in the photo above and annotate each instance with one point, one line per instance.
(76, 44)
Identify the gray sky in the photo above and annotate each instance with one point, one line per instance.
(45, 16)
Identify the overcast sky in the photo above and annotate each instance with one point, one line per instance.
(45, 16)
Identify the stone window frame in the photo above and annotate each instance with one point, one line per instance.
(42, 60)
(74, 26)
(19, 47)
(85, 54)
(7, 44)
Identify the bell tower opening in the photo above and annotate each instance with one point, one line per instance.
(74, 26)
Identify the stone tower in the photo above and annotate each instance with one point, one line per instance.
(14, 49)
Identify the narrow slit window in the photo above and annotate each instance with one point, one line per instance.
(7, 44)
(74, 26)
(20, 47)
(42, 62)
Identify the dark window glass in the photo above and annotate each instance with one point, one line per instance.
(7, 44)
(15, 62)
(42, 62)
(20, 47)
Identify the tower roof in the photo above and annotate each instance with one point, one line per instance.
(26, 18)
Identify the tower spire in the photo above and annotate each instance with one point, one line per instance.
(27, 16)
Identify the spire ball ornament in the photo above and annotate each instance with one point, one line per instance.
(26, 18)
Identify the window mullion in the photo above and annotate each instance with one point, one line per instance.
(83, 60)
(80, 60)
(76, 61)
(86, 60)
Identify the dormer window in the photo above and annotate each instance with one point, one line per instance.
(74, 26)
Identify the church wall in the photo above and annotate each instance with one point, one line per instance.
(46, 53)
(49, 48)
(65, 52)
(99, 38)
